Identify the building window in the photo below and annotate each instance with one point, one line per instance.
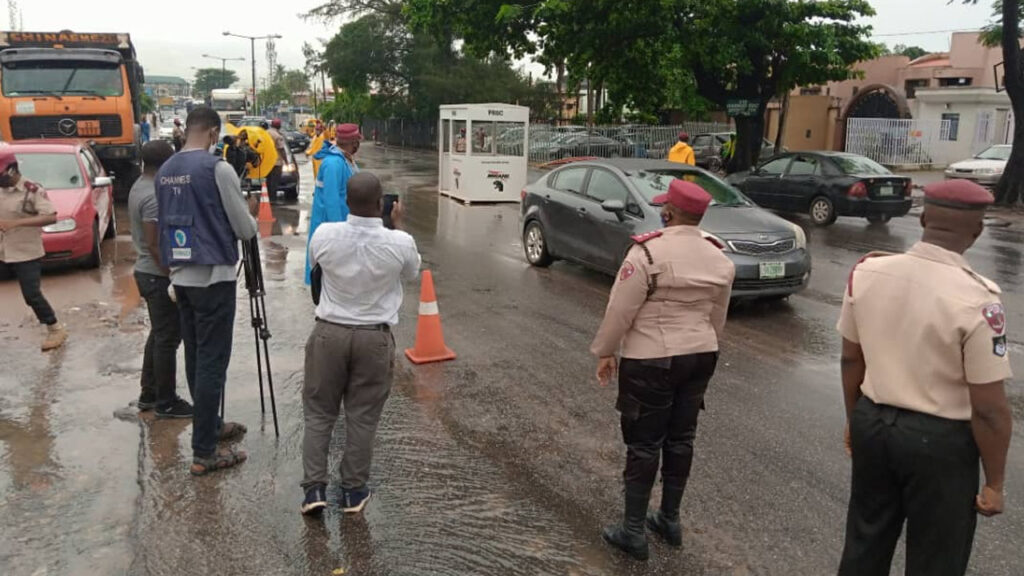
(911, 86)
(949, 130)
(947, 82)
(812, 91)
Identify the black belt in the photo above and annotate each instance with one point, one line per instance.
(382, 327)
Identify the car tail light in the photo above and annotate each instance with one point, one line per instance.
(858, 190)
(908, 190)
(522, 195)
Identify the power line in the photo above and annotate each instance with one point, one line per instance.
(922, 33)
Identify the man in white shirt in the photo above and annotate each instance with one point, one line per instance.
(350, 354)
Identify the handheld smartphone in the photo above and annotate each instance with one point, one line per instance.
(389, 204)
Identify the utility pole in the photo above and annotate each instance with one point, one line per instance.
(223, 67)
(252, 45)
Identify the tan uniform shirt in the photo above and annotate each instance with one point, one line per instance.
(23, 244)
(929, 327)
(281, 144)
(684, 315)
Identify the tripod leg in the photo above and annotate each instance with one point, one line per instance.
(270, 377)
(257, 322)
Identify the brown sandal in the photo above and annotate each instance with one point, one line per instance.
(231, 431)
(219, 460)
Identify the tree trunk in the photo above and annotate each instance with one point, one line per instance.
(749, 132)
(1008, 190)
(783, 112)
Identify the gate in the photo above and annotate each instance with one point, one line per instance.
(897, 142)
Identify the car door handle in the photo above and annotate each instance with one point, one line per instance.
(581, 212)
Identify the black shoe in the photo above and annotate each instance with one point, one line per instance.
(671, 531)
(178, 409)
(316, 500)
(146, 403)
(629, 535)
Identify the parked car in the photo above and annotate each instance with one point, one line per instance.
(707, 149)
(79, 189)
(586, 212)
(575, 144)
(986, 168)
(297, 141)
(166, 131)
(827, 185)
(289, 186)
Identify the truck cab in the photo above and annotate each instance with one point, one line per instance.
(78, 86)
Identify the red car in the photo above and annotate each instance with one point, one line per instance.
(81, 192)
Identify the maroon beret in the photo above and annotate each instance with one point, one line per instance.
(685, 196)
(958, 194)
(347, 133)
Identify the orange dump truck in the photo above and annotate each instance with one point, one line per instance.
(85, 86)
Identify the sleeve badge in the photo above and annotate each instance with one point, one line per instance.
(995, 315)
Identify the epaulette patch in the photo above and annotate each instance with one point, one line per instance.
(641, 238)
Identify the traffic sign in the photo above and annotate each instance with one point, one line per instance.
(742, 107)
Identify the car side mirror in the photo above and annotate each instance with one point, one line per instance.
(101, 181)
(615, 206)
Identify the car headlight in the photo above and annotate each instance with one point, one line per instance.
(801, 237)
(715, 240)
(986, 171)
(288, 168)
(65, 225)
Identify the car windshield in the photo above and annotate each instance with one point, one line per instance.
(851, 164)
(995, 153)
(51, 171)
(61, 77)
(655, 182)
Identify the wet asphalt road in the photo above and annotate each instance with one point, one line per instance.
(505, 461)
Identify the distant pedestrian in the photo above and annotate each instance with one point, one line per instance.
(160, 359)
(177, 135)
(315, 145)
(682, 152)
(24, 210)
(338, 164)
(924, 360)
(667, 309)
(281, 146)
(202, 215)
(350, 354)
(728, 151)
(240, 155)
(145, 128)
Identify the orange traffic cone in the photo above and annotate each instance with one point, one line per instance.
(429, 337)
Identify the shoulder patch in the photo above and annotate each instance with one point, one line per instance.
(627, 271)
(989, 285)
(641, 238)
(877, 254)
(995, 316)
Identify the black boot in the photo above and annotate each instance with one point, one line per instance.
(665, 521)
(629, 535)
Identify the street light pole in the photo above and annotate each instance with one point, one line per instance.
(252, 45)
(223, 67)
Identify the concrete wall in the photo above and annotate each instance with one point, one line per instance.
(810, 123)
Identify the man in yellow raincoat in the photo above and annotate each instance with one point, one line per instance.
(314, 146)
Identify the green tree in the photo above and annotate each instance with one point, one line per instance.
(147, 103)
(1006, 32)
(749, 50)
(912, 52)
(208, 79)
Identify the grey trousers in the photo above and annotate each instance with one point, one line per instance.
(350, 366)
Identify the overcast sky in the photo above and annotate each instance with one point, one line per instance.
(172, 40)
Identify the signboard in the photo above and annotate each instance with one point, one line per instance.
(65, 39)
(742, 107)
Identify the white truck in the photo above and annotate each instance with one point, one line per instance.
(230, 104)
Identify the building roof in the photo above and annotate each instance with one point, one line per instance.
(151, 79)
(937, 59)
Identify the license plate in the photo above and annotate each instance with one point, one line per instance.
(88, 127)
(772, 270)
(886, 191)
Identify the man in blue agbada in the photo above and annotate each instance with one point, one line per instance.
(337, 166)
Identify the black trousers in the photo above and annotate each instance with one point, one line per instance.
(659, 401)
(913, 467)
(274, 181)
(29, 276)
(160, 360)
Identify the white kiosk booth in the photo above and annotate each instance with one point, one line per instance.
(482, 151)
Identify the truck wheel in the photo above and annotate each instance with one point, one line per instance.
(125, 176)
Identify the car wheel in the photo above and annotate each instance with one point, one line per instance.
(95, 257)
(822, 211)
(111, 231)
(714, 164)
(536, 246)
(879, 218)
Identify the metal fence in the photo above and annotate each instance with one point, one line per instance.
(547, 142)
(899, 142)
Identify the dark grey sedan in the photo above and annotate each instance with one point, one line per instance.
(586, 212)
